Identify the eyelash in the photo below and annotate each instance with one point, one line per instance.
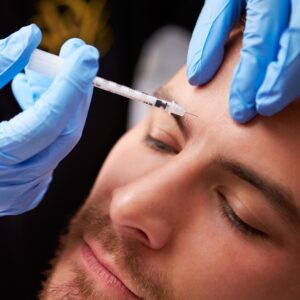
(226, 211)
(236, 222)
(158, 145)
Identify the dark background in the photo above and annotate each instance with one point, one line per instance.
(28, 241)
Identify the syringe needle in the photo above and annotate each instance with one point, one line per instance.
(188, 113)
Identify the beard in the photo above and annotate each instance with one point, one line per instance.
(91, 221)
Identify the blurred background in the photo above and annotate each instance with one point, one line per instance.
(142, 43)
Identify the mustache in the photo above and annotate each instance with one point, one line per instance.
(92, 221)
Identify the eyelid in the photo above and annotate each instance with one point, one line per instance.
(244, 212)
(238, 222)
(159, 146)
(168, 124)
(165, 136)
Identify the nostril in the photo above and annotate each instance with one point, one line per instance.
(144, 235)
(138, 234)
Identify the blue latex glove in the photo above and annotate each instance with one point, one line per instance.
(267, 77)
(36, 140)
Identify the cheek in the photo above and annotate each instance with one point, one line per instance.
(240, 268)
(226, 264)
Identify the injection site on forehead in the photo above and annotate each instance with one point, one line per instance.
(183, 122)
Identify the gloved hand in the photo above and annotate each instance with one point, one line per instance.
(267, 78)
(36, 140)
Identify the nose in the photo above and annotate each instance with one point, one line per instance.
(146, 209)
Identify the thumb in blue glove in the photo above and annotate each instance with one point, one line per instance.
(15, 51)
(265, 80)
(35, 141)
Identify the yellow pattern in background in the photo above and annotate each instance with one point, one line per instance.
(64, 19)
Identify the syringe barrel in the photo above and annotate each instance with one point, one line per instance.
(124, 91)
(50, 65)
(45, 63)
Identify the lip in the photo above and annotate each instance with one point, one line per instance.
(105, 272)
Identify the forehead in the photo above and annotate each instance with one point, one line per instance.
(270, 145)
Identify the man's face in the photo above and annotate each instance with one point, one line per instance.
(191, 208)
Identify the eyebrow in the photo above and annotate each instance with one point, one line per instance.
(278, 196)
(165, 94)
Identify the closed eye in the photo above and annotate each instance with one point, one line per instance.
(159, 145)
(234, 220)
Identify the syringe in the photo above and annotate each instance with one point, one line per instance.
(49, 64)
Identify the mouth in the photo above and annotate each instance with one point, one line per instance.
(105, 273)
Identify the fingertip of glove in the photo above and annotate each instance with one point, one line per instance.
(88, 57)
(201, 72)
(195, 75)
(18, 79)
(70, 46)
(16, 50)
(17, 83)
(33, 32)
(271, 101)
(82, 66)
(267, 108)
(194, 79)
(241, 111)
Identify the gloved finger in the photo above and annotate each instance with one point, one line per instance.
(264, 26)
(21, 91)
(27, 88)
(206, 49)
(38, 83)
(36, 128)
(75, 125)
(31, 184)
(25, 196)
(15, 51)
(70, 46)
(46, 160)
(281, 84)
